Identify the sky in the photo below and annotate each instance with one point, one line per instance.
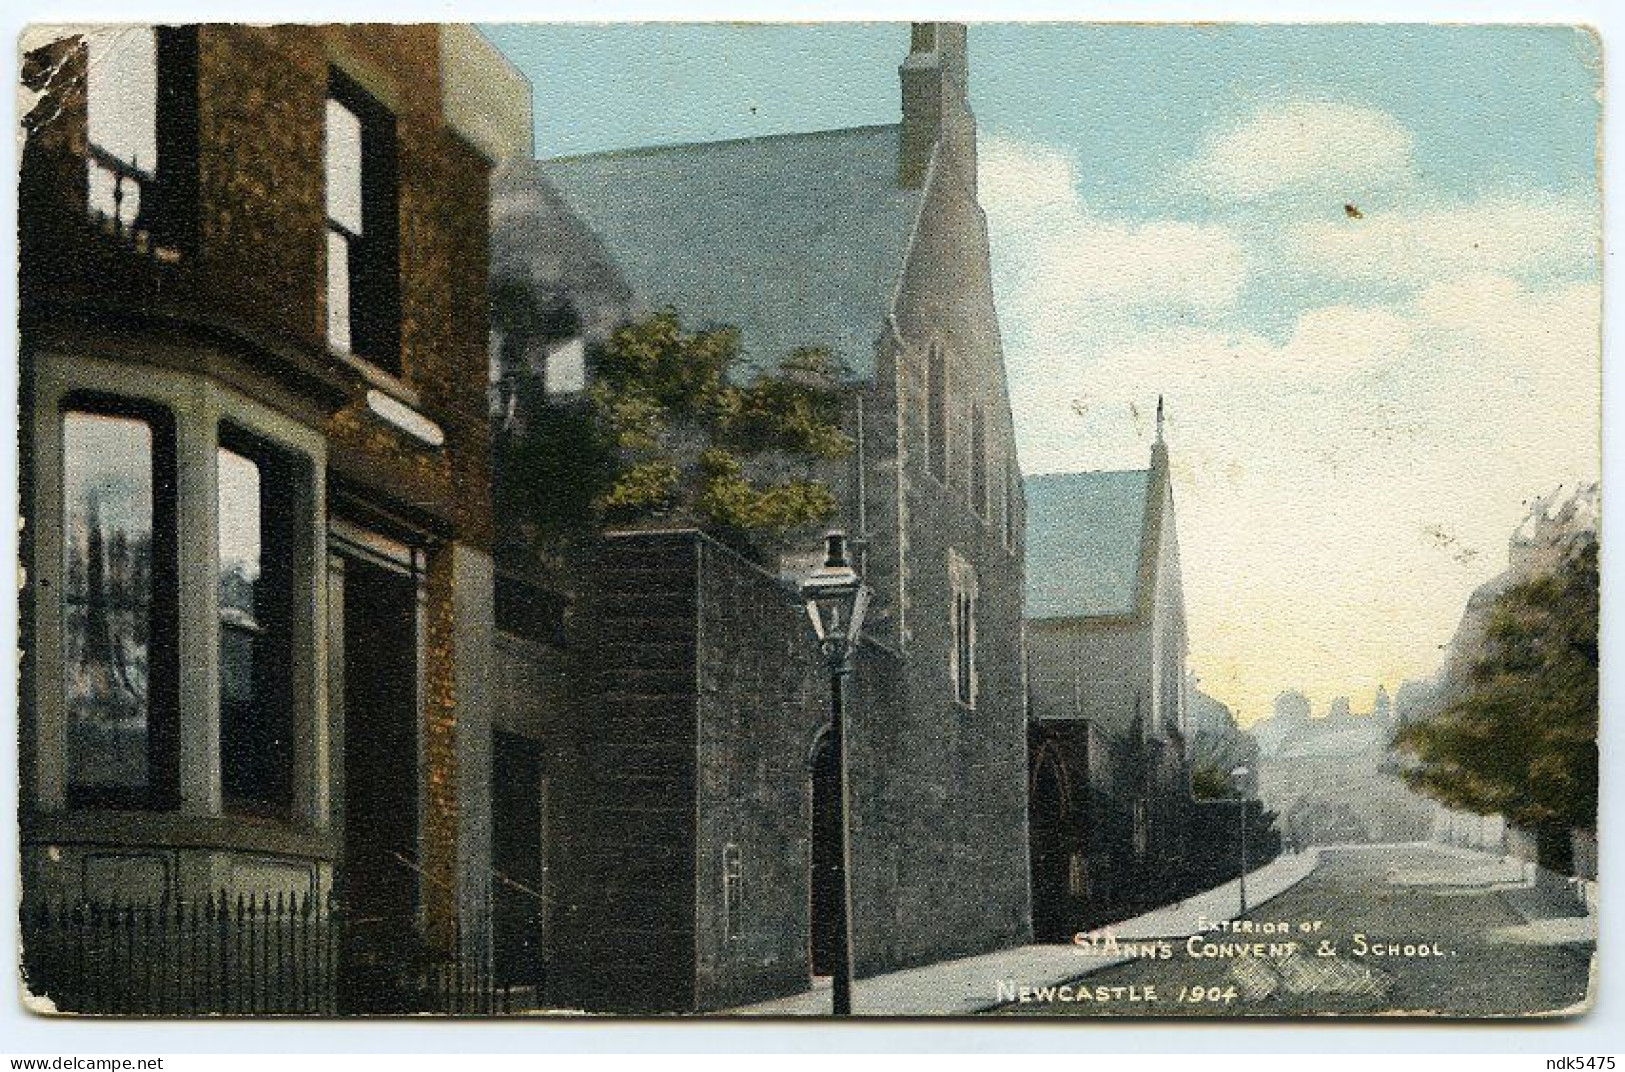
(1360, 263)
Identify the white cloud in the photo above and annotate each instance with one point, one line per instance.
(1445, 370)
(1065, 258)
(1314, 473)
(1342, 150)
(1520, 235)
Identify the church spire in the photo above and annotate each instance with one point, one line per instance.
(1159, 446)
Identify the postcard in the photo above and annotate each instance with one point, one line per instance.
(836, 519)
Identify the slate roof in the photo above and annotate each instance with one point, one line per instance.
(1085, 533)
(796, 239)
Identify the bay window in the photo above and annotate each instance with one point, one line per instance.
(172, 584)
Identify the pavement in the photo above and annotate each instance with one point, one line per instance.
(1413, 930)
(979, 983)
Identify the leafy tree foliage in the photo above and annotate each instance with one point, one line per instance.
(1522, 739)
(666, 432)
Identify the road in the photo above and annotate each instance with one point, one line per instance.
(1378, 930)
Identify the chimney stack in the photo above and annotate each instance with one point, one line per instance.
(936, 104)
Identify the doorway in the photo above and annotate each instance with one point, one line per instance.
(379, 882)
(1046, 820)
(519, 858)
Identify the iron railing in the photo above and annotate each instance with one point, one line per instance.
(237, 955)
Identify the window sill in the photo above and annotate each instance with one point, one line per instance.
(379, 378)
(176, 830)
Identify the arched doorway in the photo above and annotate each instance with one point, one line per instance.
(1049, 850)
(826, 841)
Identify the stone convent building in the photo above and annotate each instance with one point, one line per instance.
(689, 781)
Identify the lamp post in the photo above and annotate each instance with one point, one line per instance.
(836, 600)
(1238, 777)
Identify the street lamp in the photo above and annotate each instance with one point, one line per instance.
(836, 600)
(1238, 778)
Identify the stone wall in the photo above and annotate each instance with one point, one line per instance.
(697, 716)
(622, 860)
(762, 700)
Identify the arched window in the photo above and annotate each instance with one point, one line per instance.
(936, 393)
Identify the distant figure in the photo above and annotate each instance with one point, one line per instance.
(1351, 212)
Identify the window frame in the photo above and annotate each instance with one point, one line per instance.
(168, 188)
(162, 791)
(936, 411)
(964, 596)
(373, 260)
(980, 490)
(281, 489)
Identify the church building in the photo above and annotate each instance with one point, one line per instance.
(1106, 647)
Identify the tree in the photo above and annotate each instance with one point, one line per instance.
(666, 432)
(1217, 747)
(1521, 740)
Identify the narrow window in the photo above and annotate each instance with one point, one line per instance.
(978, 462)
(1012, 483)
(733, 880)
(1077, 875)
(141, 125)
(962, 587)
(257, 500)
(363, 259)
(118, 603)
(937, 413)
(1142, 828)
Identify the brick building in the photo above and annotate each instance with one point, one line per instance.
(1106, 654)
(868, 242)
(255, 456)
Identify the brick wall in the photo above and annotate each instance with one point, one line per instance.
(246, 305)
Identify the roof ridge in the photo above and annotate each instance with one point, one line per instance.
(650, 150)
(1089, 472)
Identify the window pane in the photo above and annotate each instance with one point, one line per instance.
(338, 291)
(107, 598)
(254, 535)
(122, 94)
(239, 537)
(343, 157)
